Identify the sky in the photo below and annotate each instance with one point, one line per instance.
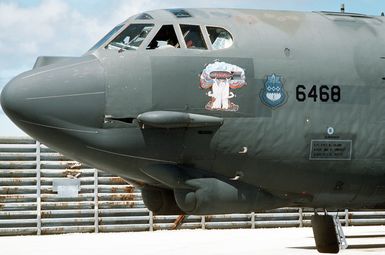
(32, 28)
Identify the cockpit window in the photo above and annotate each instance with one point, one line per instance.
(106, 37)
(144, 16)
(220, 38)
(131, 38)
(193, 37)
(165, 38)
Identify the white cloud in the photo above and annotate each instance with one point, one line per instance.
(33, 25)
(50, 28)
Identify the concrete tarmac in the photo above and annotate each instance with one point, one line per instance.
(296, 241)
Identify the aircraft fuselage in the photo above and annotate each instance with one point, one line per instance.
(301, 96)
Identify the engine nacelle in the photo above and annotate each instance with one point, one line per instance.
(160, 201)
(213, 196)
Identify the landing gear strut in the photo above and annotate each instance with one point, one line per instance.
(328, 234)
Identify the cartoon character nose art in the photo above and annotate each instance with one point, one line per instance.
(221, 79)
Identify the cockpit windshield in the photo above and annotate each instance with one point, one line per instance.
(106, 37)
(131, 38)
(220, 38)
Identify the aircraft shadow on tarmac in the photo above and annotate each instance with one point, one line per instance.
(364, 236)
(352, 246)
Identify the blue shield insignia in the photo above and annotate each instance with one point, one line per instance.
(273, 93)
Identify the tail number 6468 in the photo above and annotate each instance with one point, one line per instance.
(321, 93)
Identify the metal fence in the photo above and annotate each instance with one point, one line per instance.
(30, 204)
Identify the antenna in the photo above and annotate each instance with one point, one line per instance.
(342, 8)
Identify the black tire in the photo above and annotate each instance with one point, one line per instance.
(325, 235)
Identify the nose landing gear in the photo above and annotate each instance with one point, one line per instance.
(328, 234)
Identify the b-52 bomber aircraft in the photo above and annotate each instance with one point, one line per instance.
(223, 110)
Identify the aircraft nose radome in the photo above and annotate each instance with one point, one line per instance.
(71, 92)
(10, 99)
(14, 98)
(3, 99)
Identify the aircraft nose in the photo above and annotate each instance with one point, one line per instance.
(6, 104)
(70, 92)
(11, 98)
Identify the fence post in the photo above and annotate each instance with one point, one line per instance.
(203, 222)
(253, 220)
(38, 189)
(96, 201)
(151, 220)
(346, 217)
(300, 217)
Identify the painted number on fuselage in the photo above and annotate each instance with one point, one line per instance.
(316, 93)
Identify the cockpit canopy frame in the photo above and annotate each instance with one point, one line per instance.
(140, 31)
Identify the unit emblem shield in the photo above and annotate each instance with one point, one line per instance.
(273, 94)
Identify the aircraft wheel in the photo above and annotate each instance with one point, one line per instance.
(325, 235)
